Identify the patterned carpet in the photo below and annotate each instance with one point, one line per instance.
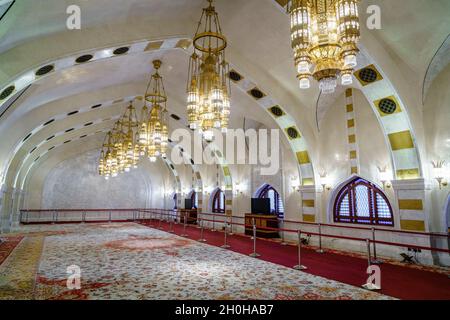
(129, 261)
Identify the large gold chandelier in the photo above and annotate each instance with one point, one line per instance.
(153, 131)
(324, 36)
(208, 90)
(120, 151)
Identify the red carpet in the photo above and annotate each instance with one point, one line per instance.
(7, 245)
(396, 281)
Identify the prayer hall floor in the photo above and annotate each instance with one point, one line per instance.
(131, 261)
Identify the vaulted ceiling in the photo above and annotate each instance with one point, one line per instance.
(34, 33)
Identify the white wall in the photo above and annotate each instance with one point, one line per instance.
(76, 184)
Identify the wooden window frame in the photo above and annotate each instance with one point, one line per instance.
(216, 208)
(263, 194)
(372, 191)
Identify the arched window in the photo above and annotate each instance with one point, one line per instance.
(360, 201)
(194, 198)
(276, 203)
(218, 202)
(175, 201)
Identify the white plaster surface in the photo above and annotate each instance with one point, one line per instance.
(75, 184)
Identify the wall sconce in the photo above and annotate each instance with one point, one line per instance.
(325, 180)
(439, 174)
(169, 193)
(295, 184)
(207, 190)
(238, 189)
(384, 177)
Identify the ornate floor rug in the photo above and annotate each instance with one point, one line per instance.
(129, 261)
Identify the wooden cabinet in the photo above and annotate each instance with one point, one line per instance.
(261, 222)
(190, 214)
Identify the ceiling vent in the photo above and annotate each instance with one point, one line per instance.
(293, 133)
(387, 106)
(121, 50)
(48, 122)
(44, 70)
(7, 92)
(84, 58)
(26, 138)
(256, 93)
(276, 111)
(233, 75)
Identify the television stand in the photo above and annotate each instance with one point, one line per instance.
(262, 221)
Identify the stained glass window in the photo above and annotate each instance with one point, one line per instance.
(175, 201)
(276, 203)
(360, 201)
(218, 202)
(194, 198)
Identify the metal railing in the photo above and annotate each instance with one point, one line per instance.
(229, 224)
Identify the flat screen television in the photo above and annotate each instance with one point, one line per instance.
(261, 206)
(188, 204)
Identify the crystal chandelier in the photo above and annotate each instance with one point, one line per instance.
(153, 131)
(208, 90)
(324, 37)
(120, 151)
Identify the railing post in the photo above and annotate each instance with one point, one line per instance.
(202, 239)
(375, 260)
(110, 216)
(175, 215)
(231, 225)
(53, 217)
(214, 223)
(225, 243)
(283, 240)
(56, 216)
(369, 256)
(83, 217)
(170, 223)
(254, 254)
(199, 219)
(299, 266)
(184, 226)
(320, 250)
(160, 220)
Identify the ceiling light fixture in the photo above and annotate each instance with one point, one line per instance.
(208, 88)
(154, 129)
(120, 151)
(324, 37)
